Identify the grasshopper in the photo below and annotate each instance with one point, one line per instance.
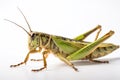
(67, 49)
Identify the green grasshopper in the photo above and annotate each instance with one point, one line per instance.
(67, 49)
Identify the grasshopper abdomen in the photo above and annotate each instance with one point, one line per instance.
(103, 50)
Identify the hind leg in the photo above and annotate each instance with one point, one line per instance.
(97, 61)
(84, 35)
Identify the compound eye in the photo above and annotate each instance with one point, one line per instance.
(33, 36)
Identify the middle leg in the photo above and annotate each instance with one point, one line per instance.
(46, 55)
(44, 61)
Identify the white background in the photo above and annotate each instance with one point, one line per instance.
(67, 18)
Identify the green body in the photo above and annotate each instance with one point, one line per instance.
(66, 47)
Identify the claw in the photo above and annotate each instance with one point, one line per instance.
(36, 70)
(75, 69)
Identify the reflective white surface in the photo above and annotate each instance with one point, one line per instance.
(67, 18)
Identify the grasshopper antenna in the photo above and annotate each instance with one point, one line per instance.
(18, 26)
(25, 19)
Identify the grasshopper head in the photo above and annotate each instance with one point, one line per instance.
(33, 41)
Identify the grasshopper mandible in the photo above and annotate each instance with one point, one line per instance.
(67, 49)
